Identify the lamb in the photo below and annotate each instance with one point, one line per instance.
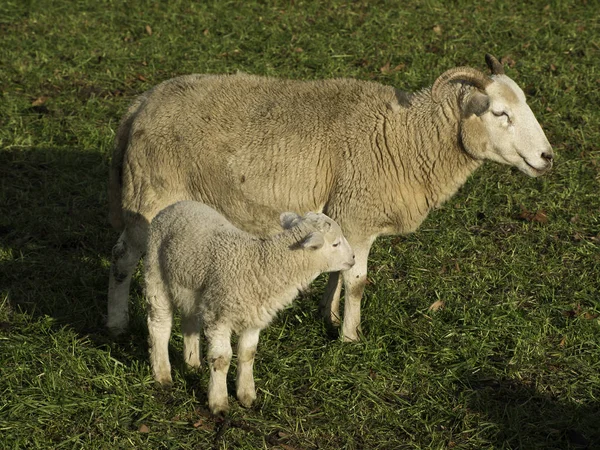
(230, 281)
(373, 158)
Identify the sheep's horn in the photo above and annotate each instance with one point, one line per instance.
(465, 74)
(495, 66)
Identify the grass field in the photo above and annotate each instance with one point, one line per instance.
(511, 361)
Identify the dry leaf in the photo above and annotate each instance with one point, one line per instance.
(39, 101)
(205, 32)
(298, 50)
(437, 29)
(508, 61)
(144, 429)
(437, 305)
(148, 30)
(387, 69)
(590, 316)
(562, 342)
(141, 77)
(538, 216)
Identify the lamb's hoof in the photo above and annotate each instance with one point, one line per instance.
(164, 381)
(219, 408)
(246, 398)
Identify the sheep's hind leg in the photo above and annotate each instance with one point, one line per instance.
(219, 357)
(125, 257)
(248, 341)
(330, 303)
(160, 321)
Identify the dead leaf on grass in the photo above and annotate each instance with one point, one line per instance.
(539, 216)
(437, 29)
(387, 69)
(148, 30)
(437, 305)
(144, 428)
(39, 101)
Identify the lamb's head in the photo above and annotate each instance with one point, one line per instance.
(497, 124)
(323, 236)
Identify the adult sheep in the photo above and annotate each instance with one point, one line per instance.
(374, 159)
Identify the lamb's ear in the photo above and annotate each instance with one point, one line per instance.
(288, 219)
(477, 104)
(313, 241)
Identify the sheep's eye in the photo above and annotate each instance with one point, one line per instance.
(500, 114)
(336, 244)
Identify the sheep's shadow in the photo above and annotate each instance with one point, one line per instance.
(56, 236)
(520, 416)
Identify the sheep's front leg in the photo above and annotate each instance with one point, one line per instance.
(190, 328)
(160, 320)
(219, 357)
(247, 344)
(355, 280)
(330, 303)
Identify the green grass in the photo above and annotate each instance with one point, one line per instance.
(511, 361)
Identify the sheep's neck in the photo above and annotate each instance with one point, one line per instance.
(432, 166)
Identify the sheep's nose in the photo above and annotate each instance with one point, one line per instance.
(548, 156)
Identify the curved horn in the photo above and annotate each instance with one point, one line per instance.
(465, 74)
(495, 66)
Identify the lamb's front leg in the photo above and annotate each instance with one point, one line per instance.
(219, 357)
(247, 344)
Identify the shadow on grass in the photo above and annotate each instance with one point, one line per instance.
(54, 235)
(524, 418)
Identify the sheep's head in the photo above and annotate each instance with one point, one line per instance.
(323, 235)
(497, 124)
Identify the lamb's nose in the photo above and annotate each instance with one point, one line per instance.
(548, 156)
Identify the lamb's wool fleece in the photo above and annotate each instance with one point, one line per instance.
(229, 281)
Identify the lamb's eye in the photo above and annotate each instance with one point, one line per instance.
(336, 244)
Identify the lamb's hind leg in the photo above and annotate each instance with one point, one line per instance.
(190, 328)
(248, 341)
(125, 257)
(160, 321)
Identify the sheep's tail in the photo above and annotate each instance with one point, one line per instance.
(115, 173)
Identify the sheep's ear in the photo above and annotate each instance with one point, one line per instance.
(313, 241)
(478, 104)
(288, 219)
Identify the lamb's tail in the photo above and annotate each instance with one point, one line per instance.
(115, 174)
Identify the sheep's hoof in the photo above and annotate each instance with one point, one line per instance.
(246, 398)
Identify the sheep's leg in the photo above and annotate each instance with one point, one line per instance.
(190, 328)
(125, 257)
(219, 357)
(355, 280)
(330, 302)
(160, 320)
(247, 344)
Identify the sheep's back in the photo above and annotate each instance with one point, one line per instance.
(249, 146)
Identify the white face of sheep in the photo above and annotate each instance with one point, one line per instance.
(326, 241)
(511, 134)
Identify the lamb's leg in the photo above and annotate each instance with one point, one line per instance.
(190, 327)
(160, 320)
(247, 343)
(330, 303)
(125, 257)
(355, 280)
(219, 357)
